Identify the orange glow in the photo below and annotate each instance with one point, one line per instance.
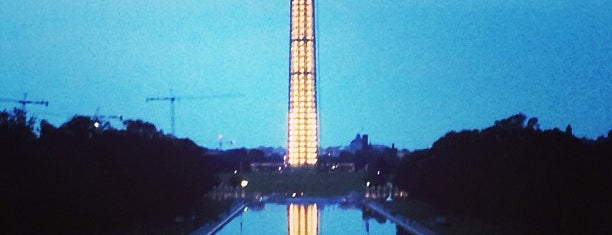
(302, 136)
(302, 219)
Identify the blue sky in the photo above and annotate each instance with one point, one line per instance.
(405, 72)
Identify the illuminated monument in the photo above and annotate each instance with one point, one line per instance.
(302, 137)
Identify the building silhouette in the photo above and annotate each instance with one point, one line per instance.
(302, 136)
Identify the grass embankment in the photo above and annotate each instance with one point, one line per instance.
(313, 184)
(205, 211)
(426, 214)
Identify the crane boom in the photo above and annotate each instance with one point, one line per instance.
(174, 98)
(112, 116)
(25, 102)
(172, 112)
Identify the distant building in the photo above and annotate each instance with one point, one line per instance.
(361, 142)
(267, 167)
(365, 143)
(356, 144)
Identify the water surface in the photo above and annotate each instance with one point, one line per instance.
(307, 219)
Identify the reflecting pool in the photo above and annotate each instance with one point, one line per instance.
(308, 219)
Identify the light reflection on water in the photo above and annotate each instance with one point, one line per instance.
(307, 219)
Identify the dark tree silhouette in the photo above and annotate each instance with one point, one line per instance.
(532, 124)
(141, 128)
(539, 182)
(568, 130)
(78, 179)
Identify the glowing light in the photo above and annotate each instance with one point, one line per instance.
(302, 136)
(302, 219)
(244, 183)
(96, 124)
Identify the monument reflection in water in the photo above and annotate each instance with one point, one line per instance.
(308, 219)
(302, 219)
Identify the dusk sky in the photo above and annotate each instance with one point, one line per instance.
(402, 71)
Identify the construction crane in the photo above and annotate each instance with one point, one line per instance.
(25, 101)
(97, 117)
(221, 141)
(174, 98)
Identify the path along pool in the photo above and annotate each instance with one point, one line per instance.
(308, 219)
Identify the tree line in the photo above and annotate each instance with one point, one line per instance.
(86, 177)
(512, 173)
